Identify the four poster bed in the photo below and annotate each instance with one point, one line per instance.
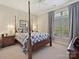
(32, 40)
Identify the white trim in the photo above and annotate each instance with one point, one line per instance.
(58, 7)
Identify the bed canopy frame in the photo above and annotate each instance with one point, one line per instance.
(29, 41)
(37, 45)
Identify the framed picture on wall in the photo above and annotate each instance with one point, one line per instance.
(23, 22)
(23, 26)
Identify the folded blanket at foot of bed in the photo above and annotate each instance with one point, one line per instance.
(35, 37)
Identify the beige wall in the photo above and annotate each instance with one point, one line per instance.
(7, 17)
(43, 23)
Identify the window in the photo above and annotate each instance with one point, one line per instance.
(61, 25)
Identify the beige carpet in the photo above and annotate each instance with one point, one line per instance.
(55, 52)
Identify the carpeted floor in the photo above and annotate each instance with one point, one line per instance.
(55, 52)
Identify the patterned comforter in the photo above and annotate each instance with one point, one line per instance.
(35, 37)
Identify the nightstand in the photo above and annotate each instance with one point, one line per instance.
(0, 43)
(8, 41)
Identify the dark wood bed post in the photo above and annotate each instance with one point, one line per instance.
(50, 40)
(15, 24)
(29, 40)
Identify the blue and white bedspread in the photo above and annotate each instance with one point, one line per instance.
(35, 37)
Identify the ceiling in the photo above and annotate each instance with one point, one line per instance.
(37, 6)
